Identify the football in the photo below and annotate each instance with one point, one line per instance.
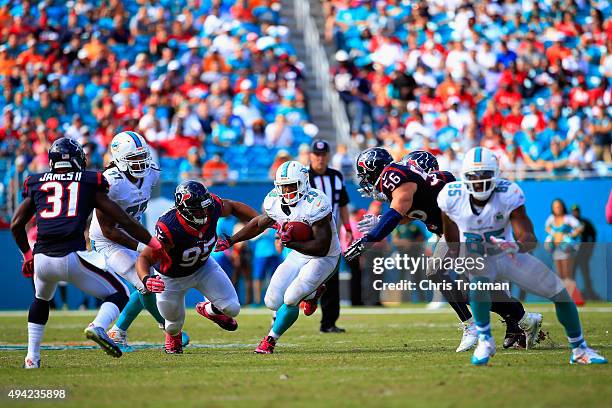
(301, 231)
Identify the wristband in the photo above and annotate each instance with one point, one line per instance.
(347, 227)
(27, 255)
(144, 280)
(140, 247)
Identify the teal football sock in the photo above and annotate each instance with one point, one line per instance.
(150, 303)
(567, 314)
(130, 312)
(285, 317)
(480, 302)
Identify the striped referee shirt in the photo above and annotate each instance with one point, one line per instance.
(332, 184)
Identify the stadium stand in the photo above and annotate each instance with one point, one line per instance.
(528, 79)
(220, 76)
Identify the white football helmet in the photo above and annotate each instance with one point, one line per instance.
(479, 171)
(131, 153)
(289, 173)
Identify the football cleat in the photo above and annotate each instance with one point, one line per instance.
(586, 355)
(223, 321)
(469, 337)
(484, 350)
(30, 363)
(98, 335)
(514, 335)
(310, 306)
(174, 344)
(185, 339)
(530, 324)
(332, 329)
(266, 346)
(120, 338)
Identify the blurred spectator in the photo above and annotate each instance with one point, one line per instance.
(190, 167)
(281, 157)
(14, 179)
(563, 234)
(343, 162)
(215, 170)
(588, 237)
(278, 133)
(304, 154)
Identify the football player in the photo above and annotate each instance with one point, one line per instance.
(62, 200)
(131, 175)
(188, 234)
(412, 186)
(487, 213)
(302, 274)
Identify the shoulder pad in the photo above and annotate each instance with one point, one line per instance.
(270, 199)
(449, 196)
(320, 206)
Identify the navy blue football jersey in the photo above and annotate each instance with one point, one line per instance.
(187, 247)
(63, 202)
(424, 202)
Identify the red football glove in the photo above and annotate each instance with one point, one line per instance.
(27, 269)
(276, 226)
(285, 235)
(223, 243)
(153, 284)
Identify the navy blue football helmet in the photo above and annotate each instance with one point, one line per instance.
(370, 164)
(193, 201)
(66, 154)
(422, 159)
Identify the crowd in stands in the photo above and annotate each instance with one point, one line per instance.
(529, 79)
(213, 80)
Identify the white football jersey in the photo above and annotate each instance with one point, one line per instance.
(475, 229)
(131, 197)
(310, 209)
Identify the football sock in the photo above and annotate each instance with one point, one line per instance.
(567, 314)
(130, 311)
(285, 317)
(150, 303)
(480, 301)
(35, 334)
(509, 308)
(453, 296)
(106, 315)
(211, 309)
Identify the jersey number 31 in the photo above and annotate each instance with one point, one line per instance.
(56, 199)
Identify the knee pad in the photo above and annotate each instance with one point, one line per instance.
(273, 302)
(39, 311)
(231, 309)
(120, 299)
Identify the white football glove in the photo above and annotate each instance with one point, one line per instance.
(376, 195)
(367, 223)
(507, 247)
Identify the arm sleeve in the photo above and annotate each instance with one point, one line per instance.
(163, 234)
(516, 197)
(320, 209)
(385, 226)
(26, 188)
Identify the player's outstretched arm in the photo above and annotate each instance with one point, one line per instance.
(451, 235)
(252, 229)
(116, 213)
(111, 232)
(239, 210)
(146, 259)
(20, 219)
(401, 202)
(523, 229)
(321, 241)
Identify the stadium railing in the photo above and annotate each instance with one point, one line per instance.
(306, 24)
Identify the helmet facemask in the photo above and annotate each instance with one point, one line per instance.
(197, 215)
(291, 191)
(480, 183)
(137, 164)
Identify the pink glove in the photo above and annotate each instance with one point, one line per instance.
(223, 243)
(27, 269)
(285, 235)
(153, 284)
(507, 247)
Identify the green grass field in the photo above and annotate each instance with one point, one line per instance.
(388, 357)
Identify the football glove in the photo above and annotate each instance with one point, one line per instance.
(376, 195)
(367, 223)
(507, 247)
(355, 249)
(153, 284)
(27, 269)
(285, 235)
(223, 243)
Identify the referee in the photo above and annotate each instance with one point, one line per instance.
(331, 182)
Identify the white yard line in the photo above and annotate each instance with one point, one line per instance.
(344, 311)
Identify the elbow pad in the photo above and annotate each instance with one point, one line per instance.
(385, 226)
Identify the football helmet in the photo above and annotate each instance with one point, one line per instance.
(131, 153)
(193, 201)
(370, 164)
(66, 154)
(422, 159)
(288, 174)
(479, 171)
